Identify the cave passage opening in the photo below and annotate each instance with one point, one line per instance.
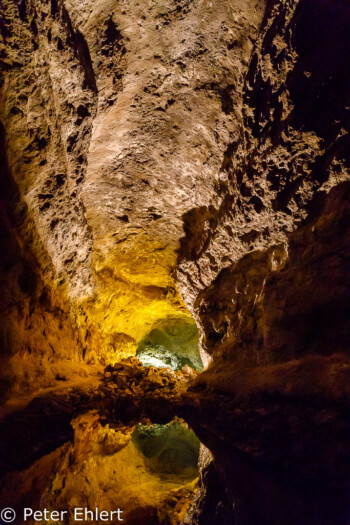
(172, 342)
(170, 451)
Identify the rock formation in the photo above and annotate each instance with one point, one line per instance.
(117, 116)
(163, 162)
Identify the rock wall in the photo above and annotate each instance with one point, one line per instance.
(38, 342)
(265, 274)
(117, 116)
(265, 271)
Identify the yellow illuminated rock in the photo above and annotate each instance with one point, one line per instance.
(103, 469)
(111, 133)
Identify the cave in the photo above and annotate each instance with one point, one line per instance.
(173, 343)
(174, 262)
(170, 450)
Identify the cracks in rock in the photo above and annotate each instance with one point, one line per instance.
(85, 60)
(22, 10)
(82, 52)
(54, 8)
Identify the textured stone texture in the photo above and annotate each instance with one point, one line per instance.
(172, 342)
(117, 117)
(265, 272)
(128, 126)
(37, 336)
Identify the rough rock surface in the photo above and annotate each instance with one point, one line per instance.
(117, 116)
(265, 272)
(37, 336)
(196, 145)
